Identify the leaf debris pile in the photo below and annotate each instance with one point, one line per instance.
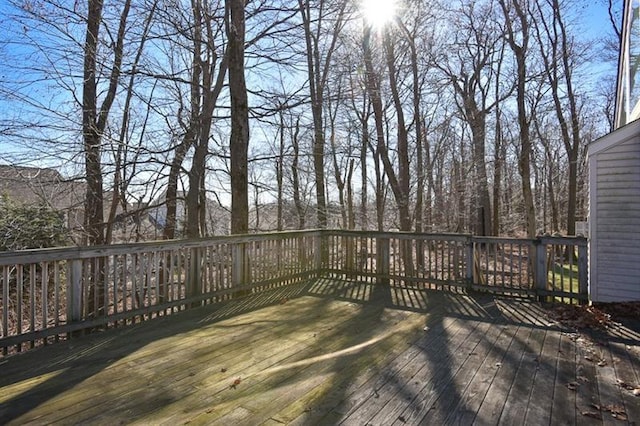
(621, 310)
(599, 316)
(580, 317)
(617, 411)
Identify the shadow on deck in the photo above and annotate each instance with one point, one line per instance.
(333, 352)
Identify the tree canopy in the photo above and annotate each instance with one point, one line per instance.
(448, 116)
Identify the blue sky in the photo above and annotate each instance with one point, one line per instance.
(592, 16)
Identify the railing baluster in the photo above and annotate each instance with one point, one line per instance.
(32, 300)
(19, 300)
(45, 295)
(56, 296)
(5, 305)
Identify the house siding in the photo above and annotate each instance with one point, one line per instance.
(614, 166)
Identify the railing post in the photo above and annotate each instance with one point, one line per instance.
(383, 258)
(583, 271)
(74, 291)
(195, 275)
(540, 268)
(317, 253)
(238, 267)
(471, 258)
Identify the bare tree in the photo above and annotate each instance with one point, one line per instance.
(94, 120)
(209, 73)
(328, 17)
(558, 54)
(470, 63)
(517, 21)
(120, 183)
(239, 139)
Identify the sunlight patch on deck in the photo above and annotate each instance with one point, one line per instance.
(10, 391)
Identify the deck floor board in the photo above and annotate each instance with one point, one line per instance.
(332, 352)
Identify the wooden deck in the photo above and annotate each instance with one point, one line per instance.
(333, 353)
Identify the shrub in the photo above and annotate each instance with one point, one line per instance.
(30, 227)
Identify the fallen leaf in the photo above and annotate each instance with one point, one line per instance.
(626, 385)
(592, 414)
(236, 382)
(617, 411)
(223, 370)
(620, 416)
(402, 419)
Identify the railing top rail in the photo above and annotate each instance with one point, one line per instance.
(548, 240)
(578, 241)
(503, 240)
(68, 253)
(400, 235)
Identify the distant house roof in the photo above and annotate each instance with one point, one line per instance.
(40, 186)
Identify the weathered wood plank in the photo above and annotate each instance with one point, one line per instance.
(363, 357)
(626, 379)
(563, 409)
(453, 409)
(348, 385)
(611, 400)
(520, 392)
(491, 408)
(587, 398)
(628, 376)
(452, 394)
(204, 369)
(419, 394)
(542, 390)
(339, 405)
(389, 387)
(466, 411)
(267, 375)
(331, 374)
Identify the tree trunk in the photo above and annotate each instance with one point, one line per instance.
(520, 53)
(280, 171)
(297, 198)
(317, 72)
(93, 205)
(94, 123)
(170, 226)
(557, 65)
(239, 140)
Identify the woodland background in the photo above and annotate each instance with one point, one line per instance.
(456, 116)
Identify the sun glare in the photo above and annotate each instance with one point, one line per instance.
(378, 13)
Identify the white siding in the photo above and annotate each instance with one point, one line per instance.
(614, 199)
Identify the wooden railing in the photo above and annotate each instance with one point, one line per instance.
(48, 294)
(549, 268)
(51, 294)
